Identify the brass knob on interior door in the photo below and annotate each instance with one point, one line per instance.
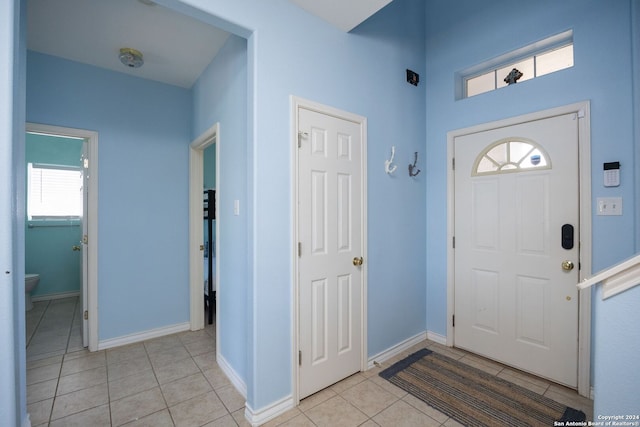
(76, 248)
(567, 265)
(357, 261)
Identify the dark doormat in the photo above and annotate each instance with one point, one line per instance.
(473, 397)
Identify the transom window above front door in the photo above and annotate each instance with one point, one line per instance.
(511, 155)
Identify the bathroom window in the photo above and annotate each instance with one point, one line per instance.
(53, 192)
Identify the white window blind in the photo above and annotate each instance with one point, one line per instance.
(54, 192)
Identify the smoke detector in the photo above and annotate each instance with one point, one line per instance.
(131, 57)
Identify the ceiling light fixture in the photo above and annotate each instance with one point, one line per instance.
(131, 57)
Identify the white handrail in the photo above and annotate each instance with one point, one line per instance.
(616, 279)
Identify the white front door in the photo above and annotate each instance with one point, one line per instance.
(517, 246)
(330, 230)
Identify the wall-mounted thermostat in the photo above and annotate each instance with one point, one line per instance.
(612, 174)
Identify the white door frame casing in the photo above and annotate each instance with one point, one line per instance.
(196, 228)
(582, 109)
(296, 104)
(91, 287)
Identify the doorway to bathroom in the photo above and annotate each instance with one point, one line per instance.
(61, 234)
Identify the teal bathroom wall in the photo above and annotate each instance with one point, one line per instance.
(48, 247)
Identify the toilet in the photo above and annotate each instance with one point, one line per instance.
(30, 283)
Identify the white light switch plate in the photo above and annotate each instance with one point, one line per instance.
(609, 205)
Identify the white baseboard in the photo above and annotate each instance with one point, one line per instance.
(143, 336)
(396, 349)
(59, 295)
(233, 376)
(257, 418)
(440, 339)
(270, 412)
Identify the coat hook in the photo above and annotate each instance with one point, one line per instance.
(413, 166)
(387, 163)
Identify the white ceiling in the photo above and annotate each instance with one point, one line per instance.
(176, 48)
(344, 14)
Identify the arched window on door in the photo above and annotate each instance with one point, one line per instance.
(510, 155)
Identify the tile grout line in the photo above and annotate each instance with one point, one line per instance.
(55, 393)
(37, 324)
(153, 369)
(66, 347)
(106, 365)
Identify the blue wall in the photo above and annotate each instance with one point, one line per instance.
(293, 53)
(602, 33)
(48, 248)
(220, 96)
(617, 367)
(617, 334)
(393, 39)
(601, 44)
(143, 276)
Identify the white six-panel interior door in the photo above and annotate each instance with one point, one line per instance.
(330, 258)
(516, 301)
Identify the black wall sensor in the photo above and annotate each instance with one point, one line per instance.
(412, 77)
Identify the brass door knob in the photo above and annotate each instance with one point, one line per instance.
(76, 248)
(567, 265)
(357, 261)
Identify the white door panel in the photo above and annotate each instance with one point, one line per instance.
(513, 300)
(329, 227)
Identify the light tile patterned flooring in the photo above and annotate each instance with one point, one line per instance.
(174, 380)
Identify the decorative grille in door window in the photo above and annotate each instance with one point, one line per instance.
(511, 155)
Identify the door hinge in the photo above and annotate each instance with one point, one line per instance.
(299, 249)
(453, 163)
(301, 136)
(86, 315)
(453, 320)
(300, 358)
(453, 242)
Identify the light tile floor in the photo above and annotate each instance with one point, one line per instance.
(174, 380)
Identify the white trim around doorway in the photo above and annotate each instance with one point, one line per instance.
(91, 287)
(582, 109)
(196, 228)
